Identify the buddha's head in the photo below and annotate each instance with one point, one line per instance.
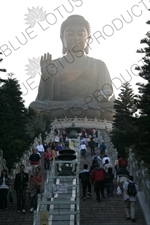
(75, 34)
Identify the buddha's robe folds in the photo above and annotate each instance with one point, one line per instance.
(82, 92)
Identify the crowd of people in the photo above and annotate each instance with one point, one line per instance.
(99, 177)
(30, 182)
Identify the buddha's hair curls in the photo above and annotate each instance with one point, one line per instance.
(75, 20)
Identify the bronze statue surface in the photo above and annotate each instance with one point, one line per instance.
(75, 84)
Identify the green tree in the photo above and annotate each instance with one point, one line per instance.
(124, 107)
(2, 70)
(14, 140)
(142, 146)
(123, 133)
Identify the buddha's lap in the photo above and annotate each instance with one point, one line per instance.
(62, 109)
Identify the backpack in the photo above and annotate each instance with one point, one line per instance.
(96, 158)
(131, 189)
(107, 177)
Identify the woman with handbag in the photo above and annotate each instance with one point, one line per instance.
(35, 185)
(5, 188)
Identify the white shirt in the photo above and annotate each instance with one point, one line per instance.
(4, 186)
(83, 146)
(40, 148)
(106, 166)
(56, 139)
(103, 160)
(83, 140)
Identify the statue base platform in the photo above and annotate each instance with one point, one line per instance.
(79, 109)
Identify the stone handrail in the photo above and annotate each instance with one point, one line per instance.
(47, 198)
(140, 173)
(23, 160)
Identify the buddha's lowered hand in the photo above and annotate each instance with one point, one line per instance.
(105, 95)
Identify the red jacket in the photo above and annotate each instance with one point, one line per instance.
(97, 174)
(48, 155)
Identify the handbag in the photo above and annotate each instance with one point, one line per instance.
(10, 198)
(119, 191)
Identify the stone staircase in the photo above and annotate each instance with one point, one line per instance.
(110, 211)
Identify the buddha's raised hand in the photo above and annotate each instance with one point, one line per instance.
(48, 67)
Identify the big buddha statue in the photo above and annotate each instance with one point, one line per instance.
(75, 84)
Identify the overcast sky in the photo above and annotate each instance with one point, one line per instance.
(117, 28)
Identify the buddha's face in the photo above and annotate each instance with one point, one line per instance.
(75, 38)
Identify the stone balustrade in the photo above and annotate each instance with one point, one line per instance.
(141, 175)
(82, 122)
(25, 158)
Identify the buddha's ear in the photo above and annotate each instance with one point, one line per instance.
(64, 50)
(87, 50)
(87, 47)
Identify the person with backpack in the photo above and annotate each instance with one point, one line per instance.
(96, 158)
(129, 197)
(105, 157)
(102, 149)
(122, 176)
(84, 176)
(107, 165)
(109, 176)
(122, 162)
(92, 146)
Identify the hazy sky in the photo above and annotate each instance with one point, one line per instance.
(117, 26)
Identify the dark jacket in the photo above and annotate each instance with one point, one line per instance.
(7, 181)
(84, 175)
(102, 147)
(18, 184)
(92, 143)
(123, 172)
(109, 177)
(34, 158)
